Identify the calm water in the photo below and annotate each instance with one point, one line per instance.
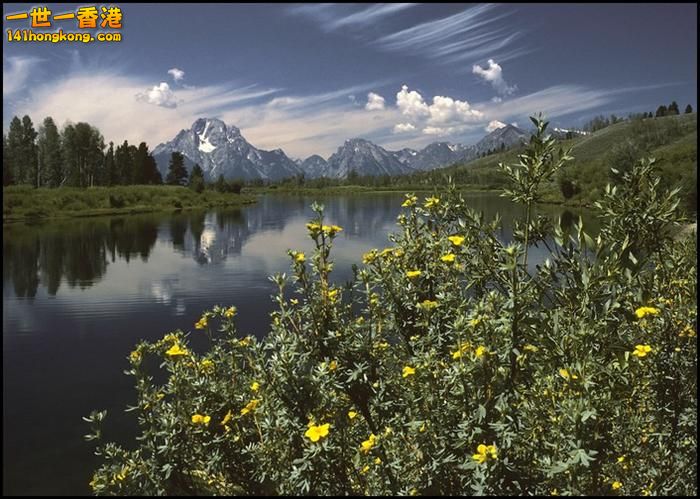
(79, 294)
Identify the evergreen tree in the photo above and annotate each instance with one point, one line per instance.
(196, 181)
(152, 175)
(688, 109)
(110, 170)
(50, 162)
(138, 167)
(220, 185)
(6, 171)
(82, 148)
(122, 164)
(661, 111)
(14, 151)
(177, 173)
(29, 151)
(673, 109)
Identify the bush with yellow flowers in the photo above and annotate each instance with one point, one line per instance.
(449, 365)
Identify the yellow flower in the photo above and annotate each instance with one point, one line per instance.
(230, 312)
(428, 304)
(202, 323)
(616, 485)
(566, 375)
(352, 414)
(333, 365)
(315, 433)
(332, 294)
(369, 257)
(207, 364)
(480, 351)
(422, 428)
(408, 371)
(456, 240)
(135, 356)
(621, 459)
(255, 386)
(475, 321)
(364, 469)
(369, 443)
(251, 406)
(382, 345)
(175, 350)
(687, 331)
(431, 201)
(641, 312)
(413, 273)
(530, 348)
(641, 350)
(448, 258)
(463, 348)
(245, 341)
(228, 417)
(377, 460)
(313, 227)
(484, 452)
(200, 419)
(300, 257)
(410, 201)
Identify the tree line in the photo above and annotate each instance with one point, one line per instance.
(600, 122)
(77, 156)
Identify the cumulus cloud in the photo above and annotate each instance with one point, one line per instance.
(375, 102)
(411, 103)
(177, 74)
(493, 74)
(494, 125)
(159, 95)
(444, 116)
(403, 127)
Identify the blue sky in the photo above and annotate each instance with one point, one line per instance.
(306, 77)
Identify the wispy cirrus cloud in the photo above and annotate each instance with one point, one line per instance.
(473, 33)
(335, 16)
(15, 73)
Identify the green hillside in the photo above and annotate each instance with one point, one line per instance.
(672, 140)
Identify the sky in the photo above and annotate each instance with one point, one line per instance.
(307, 77)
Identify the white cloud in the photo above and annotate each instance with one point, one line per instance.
(177, 74)
(375, 102)
(334, 16)
(411, 103)
(15, 73)
(494, 75)
(159, 95)
(446, 130)
(496, 99)
(447, 110)
(403, 127)
(494, 125)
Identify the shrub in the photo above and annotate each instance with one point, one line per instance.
(447, 366)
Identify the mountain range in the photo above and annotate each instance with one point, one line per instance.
(220, 149)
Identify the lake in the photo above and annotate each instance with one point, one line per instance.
(79, 294)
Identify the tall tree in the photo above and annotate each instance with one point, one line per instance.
(661, 111)
(196, 181)
(29, 151)
(82, 146)
(177, 173)
(122, 164)
(138, 173)
(152, 175)
(6, 164)
(49, 145)
(14, 150)
(673, 109)
(110, 171)
(688, 109)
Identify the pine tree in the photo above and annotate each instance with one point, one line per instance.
(110, 171)
(6, 170)
(29, 151)
(196, 181)
(50, 162)
(688, 109)
(661, 111)
(220, 185)
(177, 174)
(673, 109)
(14, 151)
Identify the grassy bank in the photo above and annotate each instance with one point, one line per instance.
(354, 189)
(23, 203)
